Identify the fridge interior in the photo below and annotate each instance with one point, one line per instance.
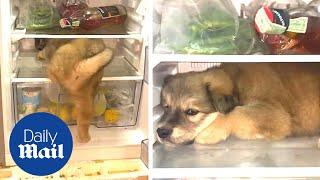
(215, 27)
(290, 152)
(120, 124)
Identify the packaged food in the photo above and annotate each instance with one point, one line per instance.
(290, 31)
(79, 14)
(100, 104)
(204, 27)
(64, 113)
(97, 16)
(71, 12)
(111, 116)
(30, 99)
(41, 15)
(71, 8)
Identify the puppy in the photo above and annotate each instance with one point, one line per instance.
(77, 66)
(247, 100)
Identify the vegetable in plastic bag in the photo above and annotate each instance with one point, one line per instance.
(204, 27)
(37, 14)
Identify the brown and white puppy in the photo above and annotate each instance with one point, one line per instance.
(77, 66)
(247, 100)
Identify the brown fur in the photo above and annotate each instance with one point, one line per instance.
(77, 66)
(253, 100)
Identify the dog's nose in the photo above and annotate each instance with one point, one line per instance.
(164, 132)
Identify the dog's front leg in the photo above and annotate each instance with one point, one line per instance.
(89, 67)
(260, 120)
(84, 106)
(218, 130)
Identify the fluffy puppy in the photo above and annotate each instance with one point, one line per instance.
(247, 100)
(77, 66)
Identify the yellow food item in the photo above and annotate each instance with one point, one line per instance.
(122, 166)
(100, 104)
(64, 113)
(111, 116)
(60, 110)
(53, 108)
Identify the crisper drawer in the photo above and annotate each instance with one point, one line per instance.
(115, 105)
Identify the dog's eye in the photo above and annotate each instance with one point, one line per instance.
(191, 112)
(165, 106)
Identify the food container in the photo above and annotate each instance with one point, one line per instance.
(30, 99)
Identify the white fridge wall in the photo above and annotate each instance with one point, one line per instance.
(1, 114)
(1, 127)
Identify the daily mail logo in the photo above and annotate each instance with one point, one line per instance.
(41, 144)
(32, 151)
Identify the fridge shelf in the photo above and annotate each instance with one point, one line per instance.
(232, 58)
(31, 70)
(54, 33)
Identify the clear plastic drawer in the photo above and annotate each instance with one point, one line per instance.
(115, 105)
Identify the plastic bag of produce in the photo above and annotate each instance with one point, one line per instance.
(202, 27)
(37, 14)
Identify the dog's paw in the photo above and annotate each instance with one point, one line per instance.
(41, 56)
(83, 139)
(83, 135)
(211, 137)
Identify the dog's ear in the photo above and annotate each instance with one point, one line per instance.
(220, 90)
(222, 103)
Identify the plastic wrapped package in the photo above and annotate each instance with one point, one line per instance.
(71, 8)
(252, 8)
(30, 99)
(203, 27)
(37, 14)
(119, 104)
(113, 104)
(299, 37)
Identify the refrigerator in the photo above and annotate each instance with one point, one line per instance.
(123, 84)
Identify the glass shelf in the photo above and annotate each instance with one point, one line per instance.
(31, 70)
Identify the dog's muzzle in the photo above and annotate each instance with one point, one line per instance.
(164, 132)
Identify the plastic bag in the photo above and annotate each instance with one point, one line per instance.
(291, 42)
(71, 8)
(203, 27)
(37, 14)
(252, 8)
